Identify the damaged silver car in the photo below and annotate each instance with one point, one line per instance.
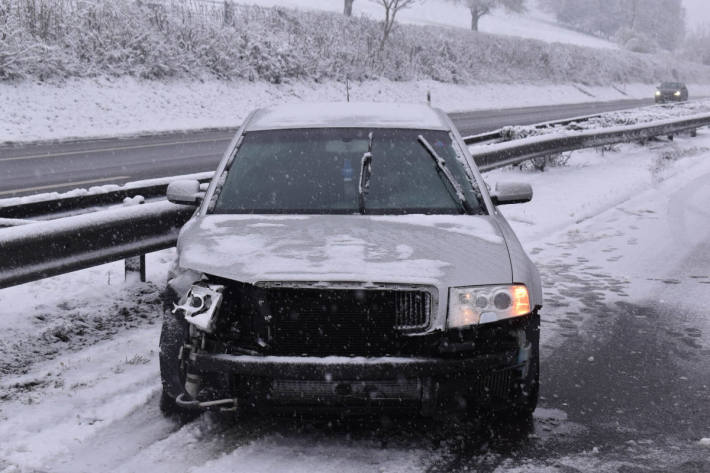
(350, 256)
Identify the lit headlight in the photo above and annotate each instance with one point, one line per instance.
(658, 93)
(484, 304)
(201, 304)
(677, 93)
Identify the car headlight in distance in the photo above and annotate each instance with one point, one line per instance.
(477, 305)
(658, 93)
(677, 93)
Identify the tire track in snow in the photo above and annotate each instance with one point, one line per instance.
(89, 390)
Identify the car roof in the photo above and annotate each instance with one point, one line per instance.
(348, 115)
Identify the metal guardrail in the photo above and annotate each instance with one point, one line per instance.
(152, 188)
(43, 249)
(498, 134)
(13, 222)
(515, 152)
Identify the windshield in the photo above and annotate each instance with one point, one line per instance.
(671, 85)
(318, 171)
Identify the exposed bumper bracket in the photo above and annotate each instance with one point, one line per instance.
(222, 404)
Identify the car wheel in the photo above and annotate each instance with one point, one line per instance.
(523, 401)
(172, 336)
(526, 403)
(523, 398)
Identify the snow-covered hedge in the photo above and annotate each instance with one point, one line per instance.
(45, 39)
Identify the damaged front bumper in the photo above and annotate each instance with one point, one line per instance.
(422, 383)
(246, 357)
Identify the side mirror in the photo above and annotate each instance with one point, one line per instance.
(512, 193)
(185, 192)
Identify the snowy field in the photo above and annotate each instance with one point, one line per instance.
(534, 24)
(104, 107)
(79, 368)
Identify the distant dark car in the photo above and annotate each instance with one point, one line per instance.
(671, 92)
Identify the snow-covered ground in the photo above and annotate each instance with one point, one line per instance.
(534, 24)
(80, 380)
(636, 211)
(104, 107)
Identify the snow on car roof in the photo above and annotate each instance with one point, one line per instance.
(345, 115)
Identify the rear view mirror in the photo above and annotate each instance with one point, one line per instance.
(185, 192)
(512, 193)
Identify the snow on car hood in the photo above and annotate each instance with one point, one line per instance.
(441, 250)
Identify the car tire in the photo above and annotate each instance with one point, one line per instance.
(172, 336)
(523, 399)
(524, 402)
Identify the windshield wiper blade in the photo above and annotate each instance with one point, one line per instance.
(444, 173)
(365, 173)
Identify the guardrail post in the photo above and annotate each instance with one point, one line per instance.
(134, 267)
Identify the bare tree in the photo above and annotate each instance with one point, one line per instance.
(348, 8)
(480, 8)
(392, 7)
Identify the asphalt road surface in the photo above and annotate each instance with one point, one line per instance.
(49, 167)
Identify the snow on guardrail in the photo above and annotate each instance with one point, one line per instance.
(514, 152)
(49, 203)
(601, 121)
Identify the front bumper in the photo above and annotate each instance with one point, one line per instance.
(355, 368)
(424, 384)
(487, 365)
(668, 98)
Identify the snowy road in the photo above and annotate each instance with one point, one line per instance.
(33, 168)
(621, 239)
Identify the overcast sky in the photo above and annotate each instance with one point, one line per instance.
(698, 12)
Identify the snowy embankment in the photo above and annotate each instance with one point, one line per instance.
(79, 351)
(110, 107)
(186, 65)
(534, 23)
(231, 42)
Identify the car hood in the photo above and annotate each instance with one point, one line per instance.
(439, 250)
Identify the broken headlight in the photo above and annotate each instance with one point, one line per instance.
(201, 305)
(485, 304)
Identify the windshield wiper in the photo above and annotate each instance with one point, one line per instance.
(446, 175)
(365, 173)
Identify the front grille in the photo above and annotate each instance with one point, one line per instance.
(412, 309)
(343, 322)
(499, 383)
(495, 385)
(293, 320)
